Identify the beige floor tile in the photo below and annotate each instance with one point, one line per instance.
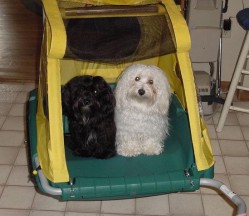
(11, 138)
(239, 184)
(156, 205)
(217, 205)
(126, 206)
(5, 108)
(29, 86)
(212, 132)
(20, 176)
(18, 109)
(245, 131)
(231, 133)
(237, 165)
(230, 120)
(8, 155)
(16, 123)
(243, 118)
(117, 215)
(216, 147)
(2, 119)
(11, 87)
(22, 157)
(17, 197)
(22, 97)
(43, 202)
(234, 148)
(208, 120)
(11, 212)
(46, 213)
(219, 166)
(84, 214)
(7, 97)
(83, 206)
(4, 173)
(186, 204)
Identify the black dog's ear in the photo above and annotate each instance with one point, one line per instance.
(66, 100)
(111, 97)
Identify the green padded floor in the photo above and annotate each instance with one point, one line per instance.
(177, 155)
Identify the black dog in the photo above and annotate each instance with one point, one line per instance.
(88, 102)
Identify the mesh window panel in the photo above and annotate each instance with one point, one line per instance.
(118, 39)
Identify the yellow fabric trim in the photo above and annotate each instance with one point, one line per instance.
(206, 145)
(56, 146)
(51, 152)
(42, 135)
(50, 141)
(41, 120)
(56, 44)
(179, 25)
(200, 139)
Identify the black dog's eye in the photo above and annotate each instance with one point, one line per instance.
(137, 78)
(95, 91)
(151, 82)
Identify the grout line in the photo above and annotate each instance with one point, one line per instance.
(31, 209)
(5, 117)
(202, 202)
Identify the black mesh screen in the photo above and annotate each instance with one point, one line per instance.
(119, 39)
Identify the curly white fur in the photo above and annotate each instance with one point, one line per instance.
(141, 115)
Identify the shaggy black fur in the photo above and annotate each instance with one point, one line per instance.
(88, 102)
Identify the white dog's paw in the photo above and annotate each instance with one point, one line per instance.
(129, 149)
(152, 148)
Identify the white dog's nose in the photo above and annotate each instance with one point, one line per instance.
(141, 92)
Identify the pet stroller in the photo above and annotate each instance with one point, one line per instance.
(102, 37)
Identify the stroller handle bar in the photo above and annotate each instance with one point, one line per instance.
(241, 206)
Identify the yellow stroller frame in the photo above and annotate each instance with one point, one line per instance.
(46, 128)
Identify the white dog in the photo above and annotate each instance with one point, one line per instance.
(141, 115)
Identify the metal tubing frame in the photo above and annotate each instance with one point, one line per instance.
(44, 182)
(241, 206)
(240, 203)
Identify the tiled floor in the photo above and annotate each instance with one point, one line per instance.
(18, 196)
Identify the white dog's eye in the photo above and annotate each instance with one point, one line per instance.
(137, 78)
(151, 82)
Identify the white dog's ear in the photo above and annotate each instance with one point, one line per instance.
(119, 92)
(121, 88)
(163, 102)
(164, 92)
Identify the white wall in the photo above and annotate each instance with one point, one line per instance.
(231, 46)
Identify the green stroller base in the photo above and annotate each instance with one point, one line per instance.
(127, 177)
